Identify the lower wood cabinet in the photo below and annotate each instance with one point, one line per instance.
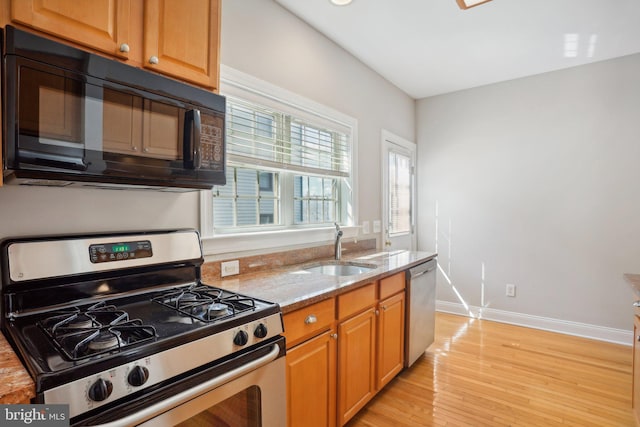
(390, 338)
(356, 371)
(342, 351)
(311, 382)
(636, 369)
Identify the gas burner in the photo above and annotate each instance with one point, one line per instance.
(218, 309)
(80, 321)
(205, 303)
(105, 340)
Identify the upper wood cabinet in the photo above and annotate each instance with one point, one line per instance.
(176, 38)
(100, 24)
(181, 38)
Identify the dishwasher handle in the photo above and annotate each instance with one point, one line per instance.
(421, 269)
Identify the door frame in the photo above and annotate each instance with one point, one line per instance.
(388, 141)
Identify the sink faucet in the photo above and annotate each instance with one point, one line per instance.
(338, 244)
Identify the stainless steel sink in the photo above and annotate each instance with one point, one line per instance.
(338, 268)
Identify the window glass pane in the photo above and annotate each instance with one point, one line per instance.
(315, 211)
(400, 197)
(264, 126)
(328, 188)
(267, 211)
(223, 213)
(297, 186)
(315, 186)
(298, 216)
(247, 182)
(265, 183)
(247, 212)
(328, 212)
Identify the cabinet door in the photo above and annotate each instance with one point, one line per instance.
(99, 24)
(636, 368)
(311, 382)
(181, 39)
(390, 338)
(356, 364)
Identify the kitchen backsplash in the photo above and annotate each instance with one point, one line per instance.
(256, 263)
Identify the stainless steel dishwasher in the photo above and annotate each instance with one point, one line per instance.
(421, 308)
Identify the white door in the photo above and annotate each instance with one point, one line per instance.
(398, 192)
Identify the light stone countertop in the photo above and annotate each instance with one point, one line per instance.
(292, 288)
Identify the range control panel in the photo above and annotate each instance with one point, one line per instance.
(121, 251)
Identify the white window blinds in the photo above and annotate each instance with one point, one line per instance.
(263, 137)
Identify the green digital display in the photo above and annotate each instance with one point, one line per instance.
(120, 248)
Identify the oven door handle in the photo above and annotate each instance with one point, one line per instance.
(176, 400)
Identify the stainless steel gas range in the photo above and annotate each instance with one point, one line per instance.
(121, 328)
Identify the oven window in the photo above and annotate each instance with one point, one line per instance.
(240, 410)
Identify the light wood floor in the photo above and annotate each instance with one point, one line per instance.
(483, 373)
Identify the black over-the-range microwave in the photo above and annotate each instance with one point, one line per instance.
(73, 117)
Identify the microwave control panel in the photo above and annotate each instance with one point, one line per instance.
(109, 252)
(211, 143)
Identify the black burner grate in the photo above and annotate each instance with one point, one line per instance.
(100, 328)
(205, 303)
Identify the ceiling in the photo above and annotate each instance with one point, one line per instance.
(430, 47)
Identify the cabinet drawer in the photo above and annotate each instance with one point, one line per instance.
(357, 300)
(391, 285)
(308, 321)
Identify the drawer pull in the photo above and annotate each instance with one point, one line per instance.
(636, 304)
(311, 319)
(334, 336)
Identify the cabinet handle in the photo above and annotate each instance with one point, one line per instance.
(310, 319)
(154, 60)
(384, 307)
(377, 312)
(636, 304)
(334, 336)
(124, 48)
(134, 148)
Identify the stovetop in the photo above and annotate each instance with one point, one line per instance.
(93, 337)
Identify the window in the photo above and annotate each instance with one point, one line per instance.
(289, 167)
(399, 193)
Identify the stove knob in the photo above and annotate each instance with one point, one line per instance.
(261, 331)
(138, 376)
(241, 338)
(100, 390)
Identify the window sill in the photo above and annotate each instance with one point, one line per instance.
(215, 246)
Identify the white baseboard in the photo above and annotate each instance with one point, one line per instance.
(602, 333)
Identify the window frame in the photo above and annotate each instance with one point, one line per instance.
(243, 86)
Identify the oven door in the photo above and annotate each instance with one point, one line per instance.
(251, 395)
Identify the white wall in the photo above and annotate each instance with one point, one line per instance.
(537, 180)
(259, 38)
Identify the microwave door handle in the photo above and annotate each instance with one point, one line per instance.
(191, 150)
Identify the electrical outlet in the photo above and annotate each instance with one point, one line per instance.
(365, 227)
(229, 268)
(377, 226)
(511, 290)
